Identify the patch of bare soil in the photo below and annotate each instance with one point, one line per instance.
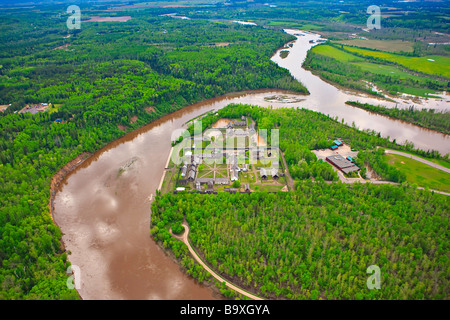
(150, 109)
(62, 47)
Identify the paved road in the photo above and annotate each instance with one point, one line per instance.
(185, 239)
(429, 163)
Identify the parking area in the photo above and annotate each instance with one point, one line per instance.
(343, 150)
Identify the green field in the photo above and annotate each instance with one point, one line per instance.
(335, 53)
(421, 92)
(419, 173)
(385, 70)
(296, 25)
(439, 67)
(443, 163)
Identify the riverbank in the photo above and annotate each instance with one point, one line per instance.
(62, 174)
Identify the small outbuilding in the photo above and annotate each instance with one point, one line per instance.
(263, 173)
(275, 173)
(338, 143)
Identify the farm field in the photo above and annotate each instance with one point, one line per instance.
(384, 45)
(433, 65)
(335, 53)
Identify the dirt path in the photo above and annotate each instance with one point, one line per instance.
(429, 163)
(289, 179)
(185, 239)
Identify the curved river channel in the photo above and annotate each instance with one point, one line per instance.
(104, 213)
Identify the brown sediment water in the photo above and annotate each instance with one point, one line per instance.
(103, 208)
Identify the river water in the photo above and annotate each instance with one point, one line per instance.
(103, 209)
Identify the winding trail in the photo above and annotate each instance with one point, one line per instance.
(185, 238)
(289, 179)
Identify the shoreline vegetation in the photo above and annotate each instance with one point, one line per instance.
(426, 118)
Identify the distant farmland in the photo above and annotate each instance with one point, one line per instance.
(384, 45)
(433, 65)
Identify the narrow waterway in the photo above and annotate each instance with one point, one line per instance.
(103, 209)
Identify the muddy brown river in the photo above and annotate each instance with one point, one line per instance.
(103, 206)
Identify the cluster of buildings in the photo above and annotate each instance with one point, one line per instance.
(342, 163)
(232, 131)
(188, 171)
(336, 145)
(235, 169)
(34, 108)
(263, 172)
(346, 165)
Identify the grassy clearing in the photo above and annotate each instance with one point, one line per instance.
(419, 173)
(427, 93)
(384, 45)
(295, 25)
(286, 24)
(385, 70)
(53, 108)
(267, 187)
(443, 163)
(335, 53)
(439, 66)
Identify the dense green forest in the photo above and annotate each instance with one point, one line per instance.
(427, 118)
(318, 241)
(108, 73)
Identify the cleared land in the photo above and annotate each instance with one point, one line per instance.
(419, 173)
(384, 45)
(433, 65)
(335, 53)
